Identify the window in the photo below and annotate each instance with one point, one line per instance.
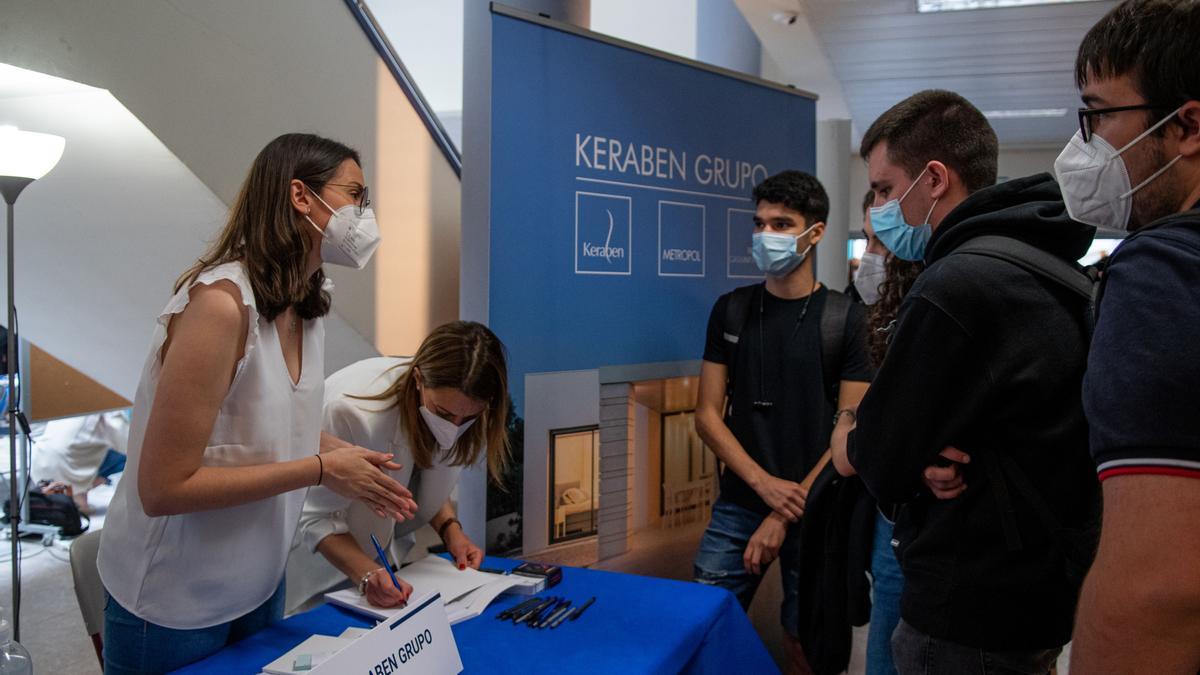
(575, 483)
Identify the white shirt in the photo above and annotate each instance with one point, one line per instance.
(71, 450)
(197, 570)
(374, 425)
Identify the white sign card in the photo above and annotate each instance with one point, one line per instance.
(416, 641)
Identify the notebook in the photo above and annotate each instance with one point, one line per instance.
(466, 593)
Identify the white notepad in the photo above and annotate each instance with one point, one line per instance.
(466, 593)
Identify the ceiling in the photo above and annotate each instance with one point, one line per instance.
(1000, 59)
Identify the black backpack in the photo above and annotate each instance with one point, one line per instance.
(833, 334)
(1077, 545)
(53, 509)
(1084, 282)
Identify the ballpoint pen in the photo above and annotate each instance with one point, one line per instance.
(533, 610)
(556, 616)
(383, 561)
(549, 612)
(579, 613)
(517, 609)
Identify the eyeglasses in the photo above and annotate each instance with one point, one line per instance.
(363, 200)
(1086, 115)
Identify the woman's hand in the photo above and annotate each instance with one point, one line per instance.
(381, 592)
(358, 473)
(466, 553)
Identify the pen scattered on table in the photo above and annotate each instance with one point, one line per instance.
(548, 612)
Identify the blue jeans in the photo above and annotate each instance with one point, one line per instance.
(887, 583)
(719, 561)
(114, 462)
(919, 654)
(132, 645)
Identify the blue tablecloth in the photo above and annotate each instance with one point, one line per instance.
(637, 625)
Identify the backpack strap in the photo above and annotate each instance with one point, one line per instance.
(833, 341)
(1084, 283)
(737, 311)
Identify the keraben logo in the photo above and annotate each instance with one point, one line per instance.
(607, 251)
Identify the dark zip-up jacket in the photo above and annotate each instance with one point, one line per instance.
(988, 358)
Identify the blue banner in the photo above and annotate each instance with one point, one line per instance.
(620, 196)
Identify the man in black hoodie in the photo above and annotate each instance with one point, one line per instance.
(986, 357)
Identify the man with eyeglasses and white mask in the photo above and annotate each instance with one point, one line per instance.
(1135, 165)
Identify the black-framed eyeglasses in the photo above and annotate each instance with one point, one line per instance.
(1086, 115)
(363, 199)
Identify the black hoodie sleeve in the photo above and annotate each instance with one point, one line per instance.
(931, 381)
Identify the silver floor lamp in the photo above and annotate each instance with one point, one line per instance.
(25, 156)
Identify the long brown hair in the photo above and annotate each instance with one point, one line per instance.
(264, 233)
(881, 318)
(466, 356)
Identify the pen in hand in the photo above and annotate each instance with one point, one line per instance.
(383, 561)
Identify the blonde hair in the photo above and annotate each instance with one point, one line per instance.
(466, 356)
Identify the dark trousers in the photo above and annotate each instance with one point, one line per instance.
(916, 653)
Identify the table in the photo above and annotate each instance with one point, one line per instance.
(637, 625)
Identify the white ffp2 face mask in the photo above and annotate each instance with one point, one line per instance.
(871, 273)
(445, 432)
(349, 239)
(1094, 180)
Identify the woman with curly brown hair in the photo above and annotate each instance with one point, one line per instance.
(883, 280)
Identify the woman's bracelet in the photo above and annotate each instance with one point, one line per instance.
(845, 411)
(448, 523)
(321, 465)
(362, 583)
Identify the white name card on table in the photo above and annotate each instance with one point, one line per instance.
(415, 641)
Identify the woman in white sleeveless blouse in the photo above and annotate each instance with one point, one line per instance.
(225, 434)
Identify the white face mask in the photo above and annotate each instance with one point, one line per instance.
(445, 432)
(348, 239)
(1095, 182)
(871, 273)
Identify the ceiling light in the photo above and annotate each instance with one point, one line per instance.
(1024, 114)
(925, 6)
(785, 18)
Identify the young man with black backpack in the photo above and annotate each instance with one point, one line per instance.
(781, 357)
(987, 356)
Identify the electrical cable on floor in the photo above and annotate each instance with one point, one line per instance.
(24, 556)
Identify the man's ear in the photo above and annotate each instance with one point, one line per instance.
(1189, 122)
(817, 234)
(939, 176)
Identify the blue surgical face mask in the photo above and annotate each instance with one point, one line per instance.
(905, 241)
(775, 254)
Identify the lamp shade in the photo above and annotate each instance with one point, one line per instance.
(28, 154)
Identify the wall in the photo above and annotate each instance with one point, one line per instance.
(668, 25)
(641, 465)
(213, 82)
(557, 401)
(793, 54)
(58, 390)
(723, 38)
